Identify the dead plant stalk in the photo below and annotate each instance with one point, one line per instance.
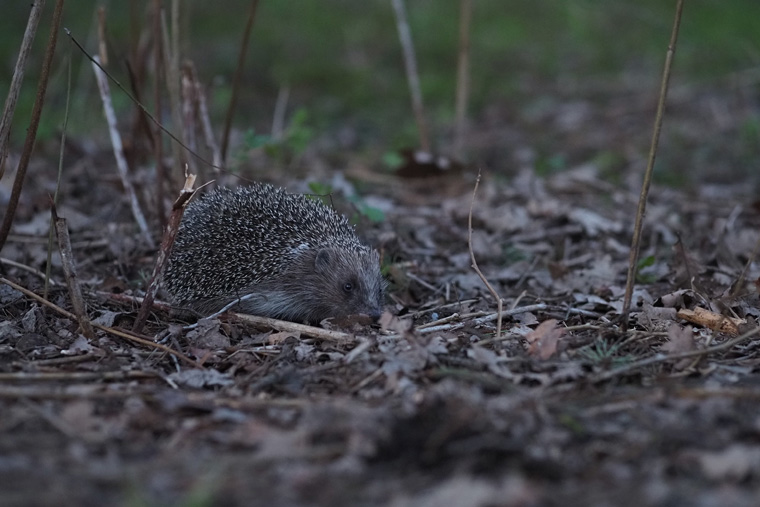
(463, 76)
(31, 132)
(137, 102)
(238, 77)
(412, 75)
(17, 79)
(636, 240)
(118, 151)
(475, 263)
(170, 233)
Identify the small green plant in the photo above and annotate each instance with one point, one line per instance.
(510, 254)
(602, 353)
(548, 165)
(644, 263)
(392, 160)
(322, 191)
(293, 143)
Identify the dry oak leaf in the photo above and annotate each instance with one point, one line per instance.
(542, 342)
(680, 340)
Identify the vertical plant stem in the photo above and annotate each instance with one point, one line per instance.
(158, 146)
(118, 151)
(238, 77)
(48, 265)
(102, 48)
(34, 123)
(497, 298)
(412, 76)
(188, 112)
(641, 211)
(17, 79)
(167, 241)
(463, 76)
(278, 118)
(172, 85)
(72, 280)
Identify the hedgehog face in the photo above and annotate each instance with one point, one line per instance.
(351, 280)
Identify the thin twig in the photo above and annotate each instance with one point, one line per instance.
(34, 123)
(72, 280)
(158, 142)
(137, 102)
(412, 76)
(170, 233)
(118, 151)
(17, 79)
(110, 330)
(238, 77)
(49, 265)
(282, 325)
(171, 67)
(102, 47)
(743, 275)
(661, 358)
(280, 108)
(463, 76)
(475, 264)
(44, 276)
(187, 111)
(636, 240)
(208, 132)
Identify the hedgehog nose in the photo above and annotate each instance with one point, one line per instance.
(375, 314)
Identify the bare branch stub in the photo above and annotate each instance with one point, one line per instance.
(475, 264)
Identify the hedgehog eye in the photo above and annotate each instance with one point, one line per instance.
(348, 287)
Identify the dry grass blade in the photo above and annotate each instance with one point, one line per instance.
(636, 241)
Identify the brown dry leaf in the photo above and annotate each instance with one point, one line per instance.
(543, 341)
(81, 419)
(208, 336)
(680, 340)
(490, 359)
(280, 337)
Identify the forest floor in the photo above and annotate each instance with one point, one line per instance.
(430, 406)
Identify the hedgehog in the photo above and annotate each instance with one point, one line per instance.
(288, 256)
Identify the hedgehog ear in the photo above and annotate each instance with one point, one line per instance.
(322, 260)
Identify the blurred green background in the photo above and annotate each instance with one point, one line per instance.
(342, 61)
